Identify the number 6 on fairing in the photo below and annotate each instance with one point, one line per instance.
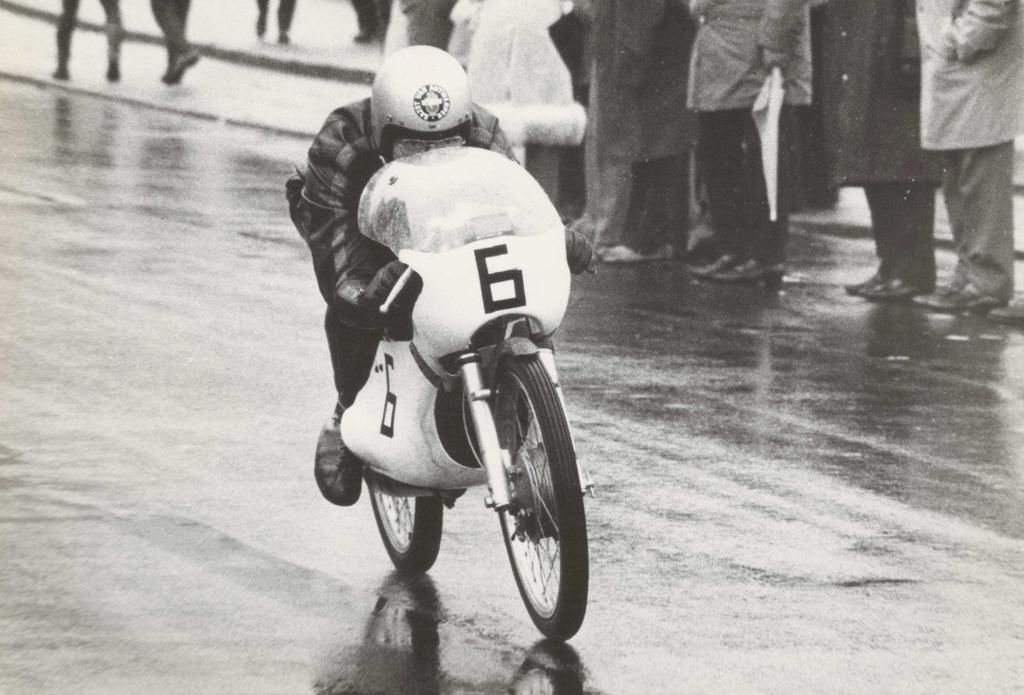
(488, 280)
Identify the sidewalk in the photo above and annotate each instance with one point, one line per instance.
(296, 85)
(321, 34)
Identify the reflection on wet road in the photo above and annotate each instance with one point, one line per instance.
(400, 652)
(795, 493)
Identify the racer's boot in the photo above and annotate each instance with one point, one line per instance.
(338, 472)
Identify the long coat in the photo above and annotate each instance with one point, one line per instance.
(972, 72)
(641, 51)
(870, 94)
(512, 58)
(725, 72)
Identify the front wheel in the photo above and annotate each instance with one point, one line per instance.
(410, 528)
(544, 527)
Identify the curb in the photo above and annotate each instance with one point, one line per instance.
(295, 67)
(856, 231)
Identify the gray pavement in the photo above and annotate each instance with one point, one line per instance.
(297, 84)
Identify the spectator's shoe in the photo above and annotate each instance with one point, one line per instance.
(261, 25)
(338, 472)
(857, 289)
(721, 263)
(958, 299)
(624, 254)
(751, 270)
(365, 37)
(182, 63)
(61, 73)
(1012, 314)
(113, 72)
(894, 290)
(283, 39)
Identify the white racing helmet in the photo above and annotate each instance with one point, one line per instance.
(419, 92)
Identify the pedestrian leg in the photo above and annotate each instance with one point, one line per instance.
(285, 13)
(769, 237)
(656, 222)
(979, 198)
(261, 17)
(720, 154)
(367, 18)
(115, 35)
(906, 214)
(172, 16)
(429, 23)
(65, 27)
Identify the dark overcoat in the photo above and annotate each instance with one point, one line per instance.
(641, 52)
(870, 84)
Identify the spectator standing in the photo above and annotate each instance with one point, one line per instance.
(422, 23)
(870, 82)
(639, 130)
(115, 35)
(285, 13)
(738, 43)
(372, 19)
(972, 108)
(172, 16)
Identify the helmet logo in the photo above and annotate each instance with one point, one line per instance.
(431, 102)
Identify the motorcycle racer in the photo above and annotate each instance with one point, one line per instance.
(419, 101)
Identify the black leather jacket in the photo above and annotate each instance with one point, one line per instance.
(324, 201)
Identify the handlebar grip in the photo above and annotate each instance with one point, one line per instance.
(403, 280)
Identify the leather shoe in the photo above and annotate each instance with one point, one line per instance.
(178, 67)
(338, 472)
(857, 289)
(721, 263)
(955, 300)
(752, 270)
(894, 290)
(1012, 314)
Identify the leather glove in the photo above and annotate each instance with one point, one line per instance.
(579, 253)
(380, 287)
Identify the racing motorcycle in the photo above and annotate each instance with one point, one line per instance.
(474, 398)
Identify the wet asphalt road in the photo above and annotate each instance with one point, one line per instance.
(796, 494)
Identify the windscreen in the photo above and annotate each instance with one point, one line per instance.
(447, 198)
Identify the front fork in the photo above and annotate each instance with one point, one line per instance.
(547, 360)
(492, 455)
(494, 458)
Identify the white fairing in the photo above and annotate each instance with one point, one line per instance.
(488, 243)
(455, 301)
(391, 425)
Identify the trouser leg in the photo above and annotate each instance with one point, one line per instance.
(367, 16)
(352, 352)
(767, 238)
(65, 27)
(658, 204)
(903, 220)
(978, 187)
(285, 13)
(114, 29)
(720, 154)
(166, 14)
(429, 23)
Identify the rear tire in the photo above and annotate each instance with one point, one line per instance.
(545, 528)
(410, 528)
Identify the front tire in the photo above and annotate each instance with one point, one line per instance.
(544, 528)
(410, 528)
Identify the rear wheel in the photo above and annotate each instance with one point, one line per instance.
(544, 528)
(410, 528)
